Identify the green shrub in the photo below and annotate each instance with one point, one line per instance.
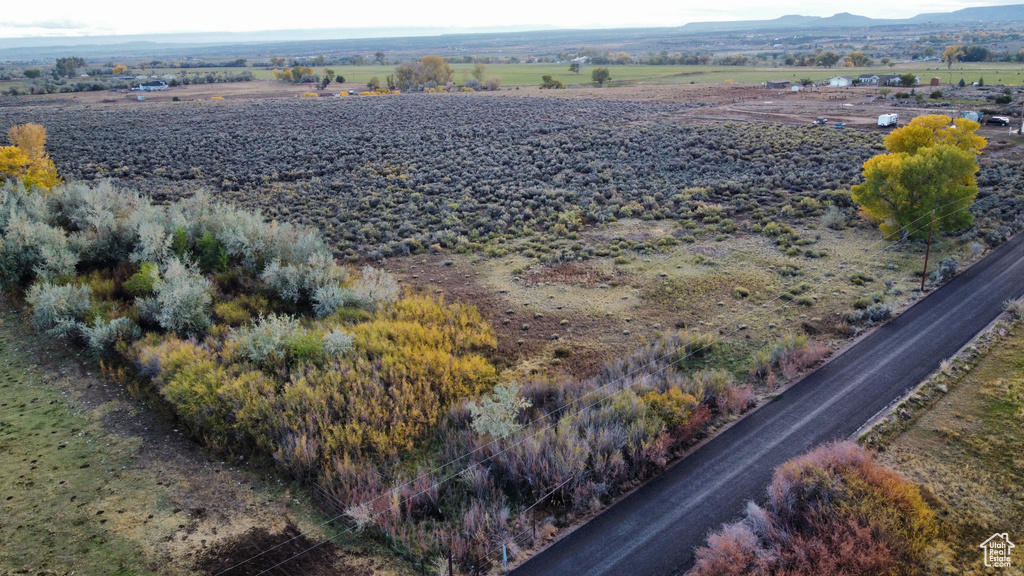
(232, 312)
(305, 347)
(60, 310)
(212, 257)
(860, 278)
(141, 283)
(266, 341)
(338, 342)
(495, 416)
(102, 337)
(183, 297)
(33, 249)
(833, 218)
(179, 243)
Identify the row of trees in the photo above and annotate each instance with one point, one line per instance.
(305, 75)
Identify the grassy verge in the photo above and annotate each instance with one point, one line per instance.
(962, 435)
(66, 486)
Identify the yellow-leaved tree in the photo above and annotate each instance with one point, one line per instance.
(26, 159)
(120, 70)
(930, 168)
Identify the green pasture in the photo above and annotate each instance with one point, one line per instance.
(530, 74)
(993, 73)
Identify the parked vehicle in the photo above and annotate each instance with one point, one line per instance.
(821, 120)
(998, 120)
(888, 119)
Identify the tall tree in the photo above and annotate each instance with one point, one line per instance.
(828, 59)
(478, 71)
(952, 54)
(67, 66)
(857, 60)
(26, 159)
(930, 167)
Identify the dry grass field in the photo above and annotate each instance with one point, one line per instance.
(966, 446)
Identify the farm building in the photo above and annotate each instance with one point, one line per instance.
(936, 81)
(840, 81)
(155, 86)
(773, 84)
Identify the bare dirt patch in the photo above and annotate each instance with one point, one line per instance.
(288, 552)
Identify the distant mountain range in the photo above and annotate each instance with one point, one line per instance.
(359, 40)
(1013, 13)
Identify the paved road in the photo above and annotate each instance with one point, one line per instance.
(653, 531)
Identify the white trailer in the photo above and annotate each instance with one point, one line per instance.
(888, 119)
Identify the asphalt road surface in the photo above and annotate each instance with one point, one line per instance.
(654, 530)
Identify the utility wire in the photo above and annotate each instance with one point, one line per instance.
(623, 378)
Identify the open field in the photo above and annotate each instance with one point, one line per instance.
(622, 218)
(515, 76)
(1007, 73)
(584, 227)
(964, 442)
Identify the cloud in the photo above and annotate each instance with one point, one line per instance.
(61, 24)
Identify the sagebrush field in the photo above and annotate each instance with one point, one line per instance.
(619, 277)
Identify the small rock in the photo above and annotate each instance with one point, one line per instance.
(942, 388)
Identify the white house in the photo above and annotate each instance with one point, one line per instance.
(868, 79)
(840, 81)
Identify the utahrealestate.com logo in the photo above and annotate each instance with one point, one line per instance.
(997, 550)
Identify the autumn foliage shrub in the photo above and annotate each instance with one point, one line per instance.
(787, 357)
(261, 344)
(834, 510)
(26, 160)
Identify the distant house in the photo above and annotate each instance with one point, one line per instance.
(894, 80)
(868, 79)
(840, 81)
(775, 84)
(936, 81)
(157, 86)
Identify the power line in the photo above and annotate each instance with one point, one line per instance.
(621, 379)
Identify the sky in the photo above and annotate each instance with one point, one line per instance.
(118, 17)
